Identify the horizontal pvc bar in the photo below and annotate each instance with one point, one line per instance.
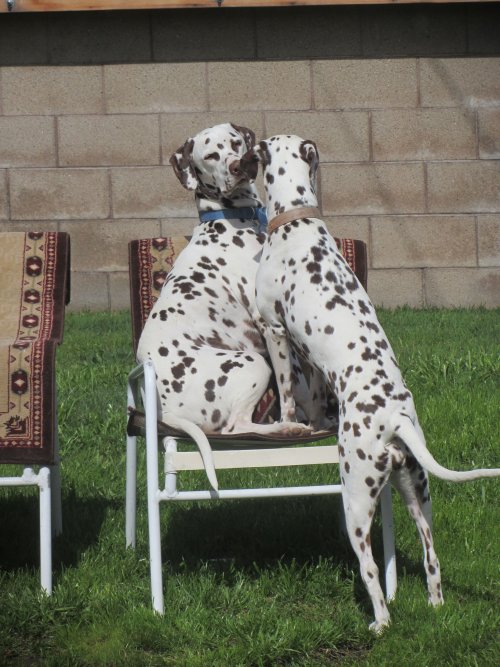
(28, 478)
(226, 494)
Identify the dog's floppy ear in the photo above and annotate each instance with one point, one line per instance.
(183, 166)
(247, 134)
(309, 153)
(249, 163)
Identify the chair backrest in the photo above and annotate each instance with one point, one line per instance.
(34, 289)
(150, 260)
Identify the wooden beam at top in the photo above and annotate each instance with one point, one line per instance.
(90, 5)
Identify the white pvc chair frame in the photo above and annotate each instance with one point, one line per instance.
(48, 481)
(176, 462)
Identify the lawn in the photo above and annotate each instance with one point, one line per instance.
(257, 583)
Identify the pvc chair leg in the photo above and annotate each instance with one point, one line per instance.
(55, 485)
(131, 492)
(153, 489)
(45, 530)
(389, 545)
(155, 552)
(170, 446)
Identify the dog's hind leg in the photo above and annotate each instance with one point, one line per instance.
(359, 508)
(413, 485)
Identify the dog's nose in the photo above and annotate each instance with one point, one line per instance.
(234, 168)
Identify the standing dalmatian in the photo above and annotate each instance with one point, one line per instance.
(313, 301)
(202, 334)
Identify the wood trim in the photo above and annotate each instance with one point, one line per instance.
(91, 5)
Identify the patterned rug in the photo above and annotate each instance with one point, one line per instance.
(150, 260)
(34, 288)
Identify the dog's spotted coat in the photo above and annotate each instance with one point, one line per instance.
(314, 302)
(202, 334)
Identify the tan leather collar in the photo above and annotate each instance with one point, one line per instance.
(294, 214)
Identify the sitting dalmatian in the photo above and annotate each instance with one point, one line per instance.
(313, 301)
(202, 334)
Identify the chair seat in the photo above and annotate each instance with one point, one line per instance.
(136, 426)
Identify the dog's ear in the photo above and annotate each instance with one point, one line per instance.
(249, 164)
(247, 134)
(183, 165)
(309, 153)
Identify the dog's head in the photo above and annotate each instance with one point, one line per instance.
(209, 161)
(289, 162)
(281, 155)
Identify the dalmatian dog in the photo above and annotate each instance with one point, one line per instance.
(202, 334)
(313, 301)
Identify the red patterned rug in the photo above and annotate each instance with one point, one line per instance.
(34, 288)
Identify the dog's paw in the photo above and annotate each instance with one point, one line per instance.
(296, 428)
(378, 627)
(435, 600)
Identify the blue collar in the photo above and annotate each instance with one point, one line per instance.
(245, 213)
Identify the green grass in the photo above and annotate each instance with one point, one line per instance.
(256, 583)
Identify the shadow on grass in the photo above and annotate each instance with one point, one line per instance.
(252, 535)
(20, 544)
(254, 531)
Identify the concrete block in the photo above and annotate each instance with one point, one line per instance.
(464, 187)
(51, 90)
(331, 32)
(23, 40)
(59, 194)
(412, 30)
(467, 82)
(119, 291)
(109, 140)
(340, 136)
(178, 226)
(259, 85)
(349, 227)
(364, 84)
(176, 128)
(89, 291)
(31, 226)
(103, 246)
(155, 87)
(88, 37)
(483, 21)
(149, 192)
(27, 141)
(4, 205)
(422, 241)
(390, 288)
(488, 227)
(489, 133)
(365, 189)
(462, 288)
(423, 134)
(203, 35)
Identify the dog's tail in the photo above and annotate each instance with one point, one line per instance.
(403, 428)
(195, 432)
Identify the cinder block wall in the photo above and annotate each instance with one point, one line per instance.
(403, 102)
